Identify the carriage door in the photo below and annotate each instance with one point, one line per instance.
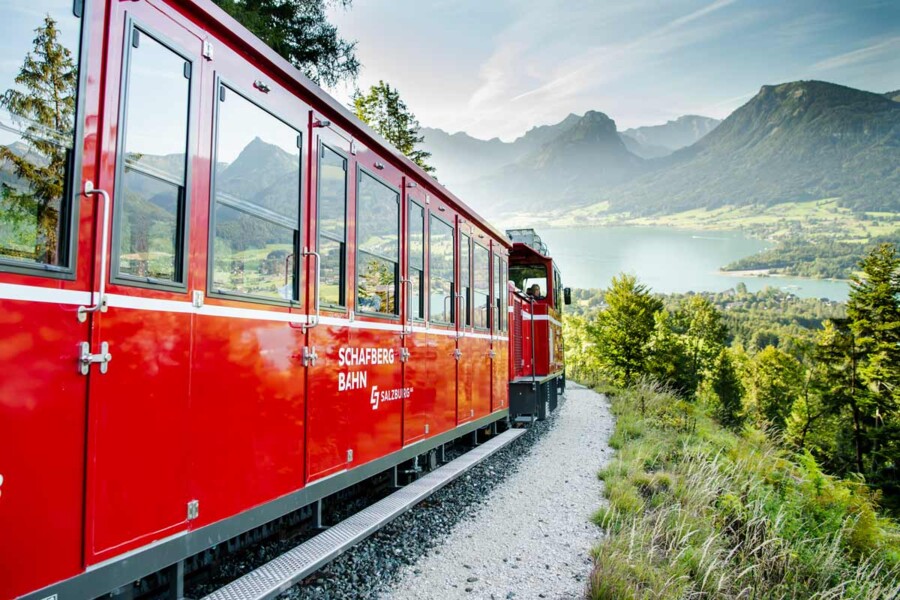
(137, 479)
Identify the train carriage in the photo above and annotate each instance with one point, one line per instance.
(223, 298)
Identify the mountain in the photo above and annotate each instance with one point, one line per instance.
(796, 141)
(644, 150)
(895, 95)
(673, 135)
(460, 158)
(586, 154)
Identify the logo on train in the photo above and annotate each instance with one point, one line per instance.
(349, 380)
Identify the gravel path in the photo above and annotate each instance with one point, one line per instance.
(531, 537)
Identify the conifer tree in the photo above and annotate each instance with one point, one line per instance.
(299, 31)
(383, 110)
(44, 106)
(622, 332)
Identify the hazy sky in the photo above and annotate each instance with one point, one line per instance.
(498, 67)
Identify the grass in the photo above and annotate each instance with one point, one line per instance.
(698, 511)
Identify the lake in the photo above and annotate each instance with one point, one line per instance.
(669, 260)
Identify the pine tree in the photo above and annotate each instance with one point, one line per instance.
(383, 110)
(299, 31)
(45, 107)
(622, 332)
(725, 383)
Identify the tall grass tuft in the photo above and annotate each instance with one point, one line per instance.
(697, 511)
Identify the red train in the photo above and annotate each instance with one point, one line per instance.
(222, 297)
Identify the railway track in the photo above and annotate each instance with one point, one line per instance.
(296, 556)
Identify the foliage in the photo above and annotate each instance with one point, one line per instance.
(698, 511)
(384, 110)
(726, 390)
(818, 377)
(622, 333)
(46, 106)
(299, 31)
(804, 257)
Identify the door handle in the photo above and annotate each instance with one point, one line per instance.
(307, 252)
(90, 190)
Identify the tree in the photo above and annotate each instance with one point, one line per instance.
(775, 383)
(727, 389)
(668, 361)
(299, 31)
(383, 110)
(704, 335)
(623, 331)
(46, 108)
(873, 311)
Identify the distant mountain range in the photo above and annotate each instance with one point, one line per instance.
(791, 142)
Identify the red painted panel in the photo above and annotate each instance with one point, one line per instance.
(329, 409)
(42, 414)
(467, 385)
(246, 413)
(500, 375)
(375, 411)
(138, 477)
(419, 375)
(478, 351)
(444, 383)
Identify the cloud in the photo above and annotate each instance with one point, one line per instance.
(549, 62)
(888, 47)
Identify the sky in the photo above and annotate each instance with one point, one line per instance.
(496, 68)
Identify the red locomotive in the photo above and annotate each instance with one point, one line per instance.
(222, 297)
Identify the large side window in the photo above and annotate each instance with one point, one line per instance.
(504, 296)
(377, 246)
(257, 201)
(416, 224)
(332, 216)
(39, 80)
(482, 287)
(152, 188)
(465, 279)
(499, 288)
(440, 267)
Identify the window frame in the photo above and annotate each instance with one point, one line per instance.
(425, 255)
(360, 171)
(70, 202)
(490, 320)
(453, 282)
(467, 320)
(183, 218)
(296, 301)
(342, 295)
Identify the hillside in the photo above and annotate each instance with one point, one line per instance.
(665, 139)
(585, 156)
(791, 142)
(465, 163)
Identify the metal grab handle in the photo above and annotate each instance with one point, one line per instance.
(407, 285)
(90, 190)
(307, 252)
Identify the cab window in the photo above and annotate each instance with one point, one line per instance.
(377, 247)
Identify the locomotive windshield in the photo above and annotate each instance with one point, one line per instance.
(526, 277)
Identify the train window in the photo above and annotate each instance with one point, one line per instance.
(153, 178)
(531, 279)
(38, 116)
(504, 296)
(465, 279)
(416, 224)
(332, 217)
(482, 287)
(497, 280)
(377, 246)
(440, 267)
(256, 223)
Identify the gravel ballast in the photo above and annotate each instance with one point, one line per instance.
(532, 535)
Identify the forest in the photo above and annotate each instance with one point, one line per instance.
(766, 426)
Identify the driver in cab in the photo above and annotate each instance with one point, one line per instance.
(535, 292)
